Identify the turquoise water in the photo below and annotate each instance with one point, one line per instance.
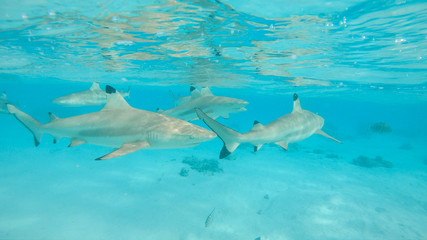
(357, 64)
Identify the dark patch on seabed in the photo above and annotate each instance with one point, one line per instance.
(380, 127)
(406, 146)
(367, 162)
(205, 166)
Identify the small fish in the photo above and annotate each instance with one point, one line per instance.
(209, 219)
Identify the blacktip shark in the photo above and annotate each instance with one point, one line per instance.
(3, 102)
(94, 96)
(179, 100)
(295, 126)
(120, 126)
(214, 106)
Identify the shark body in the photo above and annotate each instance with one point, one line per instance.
(3, 102)
(178, 100)
(120, 126)
(293, 127)
(94, 96)
(214, 106)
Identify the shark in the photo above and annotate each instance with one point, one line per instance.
(118, 125)
(94, 96)
(293, 127)
(179, 100)
(3, 102)
(213, 106)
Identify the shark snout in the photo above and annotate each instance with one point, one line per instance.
(203, 135)
(210, 135)
(60, 100)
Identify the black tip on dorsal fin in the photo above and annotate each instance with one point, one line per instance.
(295, 97)
(192, 88)
(224, 152)
(109, 89)
(36, 142)
(256, 122)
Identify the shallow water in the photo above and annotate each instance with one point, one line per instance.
(354, 63)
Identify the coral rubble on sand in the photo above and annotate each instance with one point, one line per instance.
(380, 127)
(378, 161)
(206, 166)
(183, 172)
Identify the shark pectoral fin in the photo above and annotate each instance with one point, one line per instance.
(257, 147)
(283, 144)
(75, 142)
(320, 132)
(125, 149)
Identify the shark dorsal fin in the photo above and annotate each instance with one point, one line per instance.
(206, 91)
(95, 87)
(114, 99)
(297, 104)
(195, 93)
(52, 116)
(257, 126)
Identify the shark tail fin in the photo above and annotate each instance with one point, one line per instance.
(230, 137)
(29, 122)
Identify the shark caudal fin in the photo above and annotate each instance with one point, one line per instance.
(227, 135)
(29, 122)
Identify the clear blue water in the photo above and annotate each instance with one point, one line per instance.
(355, 63)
